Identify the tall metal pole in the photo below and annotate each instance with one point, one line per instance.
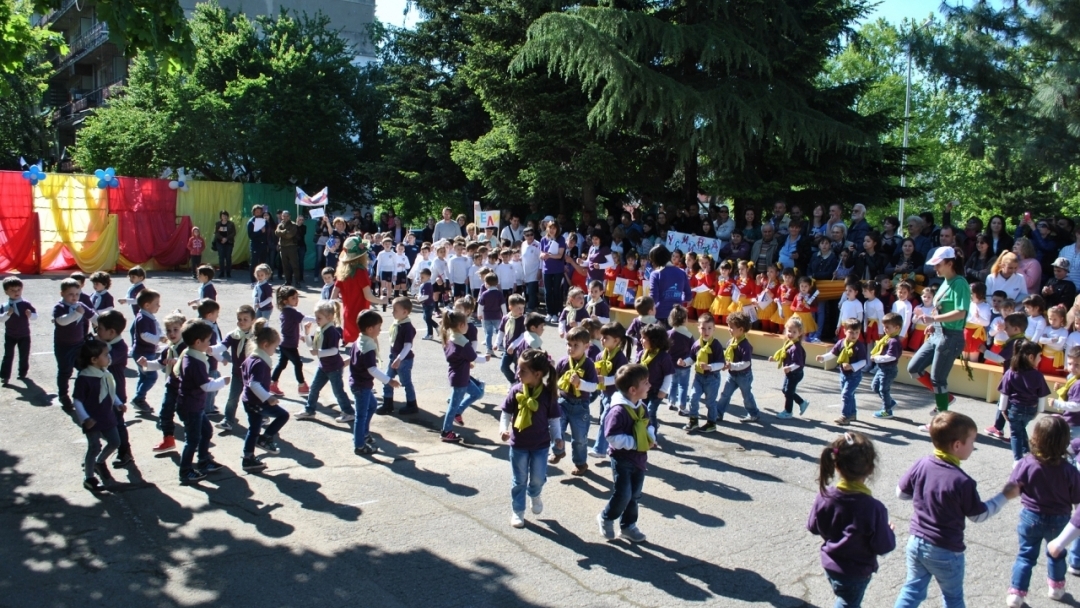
(907, 125)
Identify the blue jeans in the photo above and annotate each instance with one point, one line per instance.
(680, 387)
(461, 398)
(575, 416)
(528, 469)
(849, 590)
(925, 561)
(429, 319)
(365, 409)
(262, 314)
(849, 383)
(1033, 530)
(882, 385)
(255, 420)
(65, 367)
(508, 367)
(1019, 416)
(625, 493)
(404, 375)
(197, 434)
(819, 319)
(532, 295)
(146, 381)
(652, 403)
(938, 353)
(743, 383)
(490, 329)
(707, 386)
(600, 446)
(791, 388)
(236, 386)
(337, 385)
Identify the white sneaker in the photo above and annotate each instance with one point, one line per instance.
(595, 454)
(304, 415)
(1014, 601)
(1055, 593)
(607, 527)
(537, 505)
(344, 418)
(516, 519)
(632, 534)
(224, 425)
(1074, 571)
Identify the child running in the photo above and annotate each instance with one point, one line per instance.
(885, 354)
(708, 356)
(363, 370)
(1023, 394)
(850, 355)
(738, 357)
(96, 405)
(193, 373)
(289, 351)
(259, 403)
(460, 356)
(791, 359)
(402, 336)
(323, 344)
(630, 436)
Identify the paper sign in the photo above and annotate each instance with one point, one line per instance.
(488, 219)
(317, 212)
(687, 243)
(258, 224)
(621, 286)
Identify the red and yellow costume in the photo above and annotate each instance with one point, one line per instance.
(805, 312)
(703, 299)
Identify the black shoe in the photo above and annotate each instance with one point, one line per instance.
(91, 484)
(102, 471)
(691, 426)
(5, 382)
(365, 450)
(252, 464)
(269, 445)
(192, 476)
(708, 427)
(386, 408)
(123, 459)
(210, 466)
(409, 409)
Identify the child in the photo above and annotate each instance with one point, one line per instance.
(596, 345)
(785, 297)
(610, 276)
(791, 358)
(101, 300)
(96, 406)
(506, 273)
(492, 305)
(632, 274)
(654, 356)
(71, 321)
(725, 287)
(885, 355)
(137, 277)
(208, 311)
(1014, 326)
(597, 307)
(17, 314)
(262, 294)
(681, 341)
(1053, 343)
(577, 379)
(236, 345)
(440, 275)
(363, 370)
(386, 266)
(854, 525)
(703, 284)
(80, 278)
(511, 328)
(194, 382)
(886, 291)
(608, 362)
(110, 328)
(147, 337)
(574, 312)
(978, 320)
(902, 307)
(476, 279)
(1067, 396)
(323, 344)
(850, 308)
(1035, 308)
(1023, 394)
(1049, 486)
(289, 352)
(873, 312)
(258, 401)
(708, 356)
(459, 270)
(460, 356)
(428, 302)
(850, 355)
(167, 414)
(327, 292)
(918, 334)
(738, 356)
(195, 246)
(530, 422)
(401, 271)
(207, 291)
(402, 336)
(626, 426)
(943, 498)
(804, 306)
(646, 309)
(767, 290)
(746, 289)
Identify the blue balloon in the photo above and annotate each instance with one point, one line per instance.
(100, 174)
(34, 175)
(114, 183)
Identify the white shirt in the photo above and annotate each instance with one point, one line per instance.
(1035, 329)
(1054, 339)
(850, 309)
(505, 272)
(903, 308)
(979, 314)
(459, 269)
(874, 309)
(1071, 253)
(508, 233)
(1014, 287)
(530, 260)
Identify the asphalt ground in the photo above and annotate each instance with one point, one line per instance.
(427, 523)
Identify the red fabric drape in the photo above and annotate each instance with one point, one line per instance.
(146, 217)
(20, 231)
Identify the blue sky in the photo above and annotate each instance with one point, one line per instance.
(391, 11)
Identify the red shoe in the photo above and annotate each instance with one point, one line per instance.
(994, 432)
(458, 420)
(924, 379)
(303, 390)
(167, 444)
(275, 390)
(451, 437)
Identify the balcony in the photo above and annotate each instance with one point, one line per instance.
(84, 45)
(71, 112)
(52, 17)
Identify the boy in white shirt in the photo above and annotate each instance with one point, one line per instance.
(459, 270)
(505, 272)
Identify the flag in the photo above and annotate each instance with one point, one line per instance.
(320, 198)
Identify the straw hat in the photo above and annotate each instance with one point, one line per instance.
(353, 249)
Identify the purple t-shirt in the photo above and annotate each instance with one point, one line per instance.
(669, 286)
(599, 309)
(237, 357)
(536, 435)
(943, 497)
(207, 291)
(118, 353)
(491, 303)
(427, 294)
(573, 316)
(617, 361)
(1047, 489)
(103, 413)
(743, 352)
(133, 294)
(660, 367)
(588, 374)
(617, 421)
(359, 364)
(509, 337)
(101, 300)
(716, 354)
(72, 333)
(553, 265)
(892, 349)
(290, 327)
(254, 369)
(1073, 418)
(193, 375)
(459, 358)
(680, 345)
(406, 334)
(597, 255)
(1023, 388)
(18, 325)
(145, 324)
(795, 355)
(855, 530)
(331, 339)
(858, 354)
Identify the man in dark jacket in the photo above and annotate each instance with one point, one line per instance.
(287, 247)
(258, 238)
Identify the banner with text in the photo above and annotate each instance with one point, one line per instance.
(687, 243)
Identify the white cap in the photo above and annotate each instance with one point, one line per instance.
(940, 255)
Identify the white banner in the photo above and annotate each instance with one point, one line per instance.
(317, 212)
(687, 243)
(321, 198)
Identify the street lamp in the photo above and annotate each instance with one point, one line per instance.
(907, 117)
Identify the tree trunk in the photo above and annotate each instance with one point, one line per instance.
(588, 196)
(690, 180)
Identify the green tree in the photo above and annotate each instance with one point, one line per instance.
(24, 128)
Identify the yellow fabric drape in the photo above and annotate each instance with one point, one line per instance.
(205, 201)
(74, 216)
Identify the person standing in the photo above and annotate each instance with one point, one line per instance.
(668, 285)
(353, 286)
(447, 228)
(552, 254)
(224, 238)
(258, 230)
(301, 247)
(287, 247)
(273, 248)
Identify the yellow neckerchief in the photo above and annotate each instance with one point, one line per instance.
(108, 383)
(527, 404)
(173, 352)
(640, 417)
(394, 329)
(647, 319)
(590, 307)
(571, 369)
(879, 346)
(847, 352)
(510, 327)
(367, 344)
(649, 355)
(947, 457)
(606, 365)
(686, 332)
(852, 486)
(459, 339)
(704, 351)
(241, 338)
(194, 354)
(1064, 391)
(316, 340)
(729, 352)
(571, 314)
(265, 356)
(532, 340)
(781, 354)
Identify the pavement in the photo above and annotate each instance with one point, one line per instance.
(427, 523)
